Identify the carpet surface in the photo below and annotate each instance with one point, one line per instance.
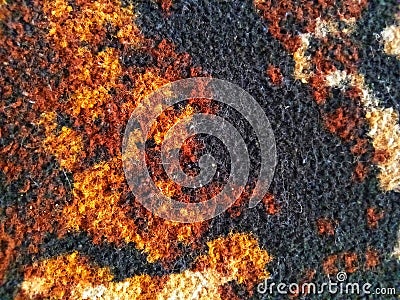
(325, 73)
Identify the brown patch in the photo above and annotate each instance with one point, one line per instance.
(371, 259)
(274, 74)
(360, 171)
(227, 292)
(373, 216)
(360, 147)
(326, 226)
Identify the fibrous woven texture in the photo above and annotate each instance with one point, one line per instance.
(327, 74)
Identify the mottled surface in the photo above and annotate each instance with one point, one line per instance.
(71, 72)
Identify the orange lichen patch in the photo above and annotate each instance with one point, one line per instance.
(96, 208)
(361, 171)
(60, 276)
(87, 23)
(385, 134)
(72, 276)
(270, 204)
(350, 262)
(7, 250)
(391, 38)
(329, 265)
(373, 217)
(274, 74)
(232, 257)
(326, 226)
(98, 74)
(371, 258)
(236, 257)
(66, 145)
(165, 5)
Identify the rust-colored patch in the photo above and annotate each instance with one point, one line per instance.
(330, 264)
(237, 254)
(275, 75)
(371, 258)
(350, 262)
(373, 216)
(326, 226)
(344, 122)
(360, 147)
(360, 171)
(165, 5)
(270, 204)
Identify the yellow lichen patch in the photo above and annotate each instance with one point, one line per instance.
(236, 257)
(385, 133)
(192, 285)
(65, 145)
(98, 75)
(57, 278)
(145, 84)
(302, 62)
(384, 128)
(87, 22)
(391, 38)
(234, 254)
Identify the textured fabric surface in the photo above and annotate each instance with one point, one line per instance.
(326, 73)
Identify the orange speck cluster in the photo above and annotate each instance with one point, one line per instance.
(326, 226)
(270, 204)
(275, 75)
(373, 216)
